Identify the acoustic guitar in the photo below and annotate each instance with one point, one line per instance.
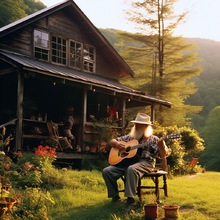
(116, 155)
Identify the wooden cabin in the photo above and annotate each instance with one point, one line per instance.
(56, 58)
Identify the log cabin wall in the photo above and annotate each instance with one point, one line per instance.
(19, 42)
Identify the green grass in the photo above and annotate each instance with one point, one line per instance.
(85, 197)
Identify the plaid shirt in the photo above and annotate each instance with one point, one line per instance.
(149, 151)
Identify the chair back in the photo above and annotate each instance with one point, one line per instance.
(193, 162)
(53, 131)
(161, 164)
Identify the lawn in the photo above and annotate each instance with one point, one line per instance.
(85, 197)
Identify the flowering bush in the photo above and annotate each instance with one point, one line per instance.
(45, 151)
(26, 174)
(5, 165)
(33, 205)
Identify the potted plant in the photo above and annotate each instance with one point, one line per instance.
(3, 208)
(171, 211)
(151, 211)
(104, 135)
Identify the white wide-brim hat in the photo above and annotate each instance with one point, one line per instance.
(142, 118)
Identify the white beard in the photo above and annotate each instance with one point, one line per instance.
(142, 131)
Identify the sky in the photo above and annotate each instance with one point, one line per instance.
(203, 20)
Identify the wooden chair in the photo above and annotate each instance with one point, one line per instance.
(144, 184)
(62, 142)
(151, 181)
(193, 162)
(190, 165)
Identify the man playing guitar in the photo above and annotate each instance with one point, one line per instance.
(136, 165)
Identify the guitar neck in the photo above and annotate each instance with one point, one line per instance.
(147, 143)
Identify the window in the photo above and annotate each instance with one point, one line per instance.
(75, 54)
(59, 50)
(82, 56)
(89, 59)
(41, 45)
(64, 52)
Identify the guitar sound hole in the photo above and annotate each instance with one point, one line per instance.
(128, 149)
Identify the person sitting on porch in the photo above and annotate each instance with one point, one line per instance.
(68, 126)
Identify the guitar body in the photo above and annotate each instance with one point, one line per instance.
(116, 155)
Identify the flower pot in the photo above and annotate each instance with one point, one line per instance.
(9, 203)
(3, 208)
(171, 211)
(151, 211)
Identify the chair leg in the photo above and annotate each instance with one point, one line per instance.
(139, 191)
(157, 189)
(157, 192)
(165, 185)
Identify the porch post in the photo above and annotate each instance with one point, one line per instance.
(84, 115)
(20, 97)
(123, 115)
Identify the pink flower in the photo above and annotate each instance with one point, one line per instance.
(27, 166)
(7, 166)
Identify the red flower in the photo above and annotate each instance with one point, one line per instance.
(45, 151)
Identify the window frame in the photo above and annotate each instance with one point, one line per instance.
(39, 48)
(89, 59)
(59, 49)
(75, 54)
(62, 51)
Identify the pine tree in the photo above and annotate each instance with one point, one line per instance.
(163, 63)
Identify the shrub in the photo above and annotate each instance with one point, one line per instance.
(183, 149)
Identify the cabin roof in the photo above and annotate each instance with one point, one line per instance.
(64, 73)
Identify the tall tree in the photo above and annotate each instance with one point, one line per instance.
(33, 6)
(164, 64)
(11, 10)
